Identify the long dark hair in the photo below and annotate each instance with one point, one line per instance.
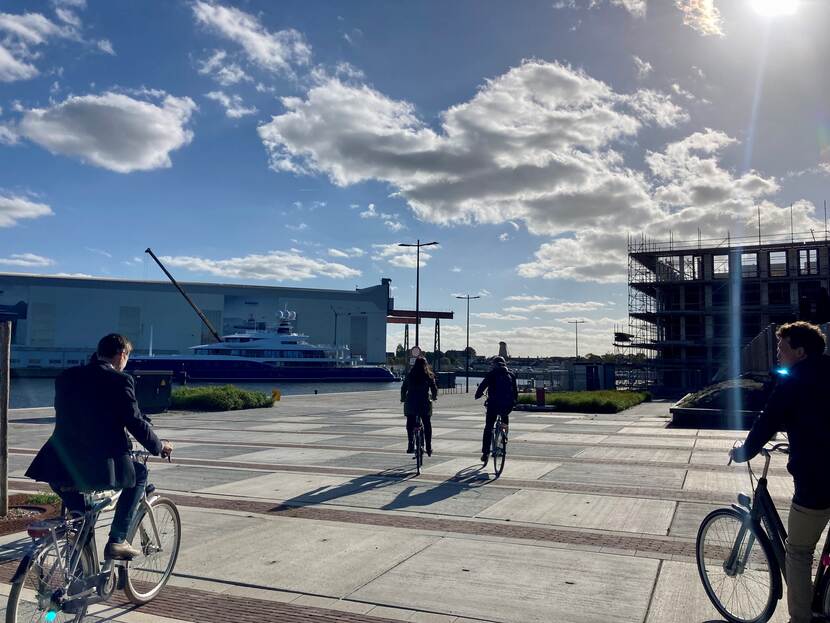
(421, 370)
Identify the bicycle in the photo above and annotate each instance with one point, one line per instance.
(741, 555)
(60, 574)
(418, 439)
(499, 445)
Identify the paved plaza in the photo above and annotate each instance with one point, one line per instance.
(310, 511)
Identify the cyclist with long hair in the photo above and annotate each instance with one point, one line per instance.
(416, 390)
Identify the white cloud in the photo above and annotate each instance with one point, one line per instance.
(298, 227)
(455, 269)
(369, 212)
(14, 208)
(105, 45)
(391, 221)
(346, 253)
(101, 252)
(644, 68)
(273, 266)
(504, 237)
(558, 308)
(113, 130)
(22, 33)
(636, 7)
(393, 225)
(225, 73)
(527, 297)
(233, 105)
(702, 16)
(273, 51)
(12, 68)
(402, 257)
(26, 260)
(8, 136)
(498, 316)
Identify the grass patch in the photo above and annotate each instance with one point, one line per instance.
(603, 401)
(43, 497)
(219, 398)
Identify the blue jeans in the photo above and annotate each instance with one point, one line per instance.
(124, 509)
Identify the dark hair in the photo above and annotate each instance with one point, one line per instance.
(110, 345)
(421, 370)
(803, 335)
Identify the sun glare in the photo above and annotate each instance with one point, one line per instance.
(773, 8)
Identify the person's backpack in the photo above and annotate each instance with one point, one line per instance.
(500, 392)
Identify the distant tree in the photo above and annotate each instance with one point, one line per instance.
(399, 351)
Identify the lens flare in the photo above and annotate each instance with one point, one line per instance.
(774, 8)
(782, 371)
(50, 616)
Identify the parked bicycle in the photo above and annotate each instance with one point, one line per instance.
(499, 445)
(740, 555)
(60, 574)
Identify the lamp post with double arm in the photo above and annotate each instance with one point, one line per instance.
(418, 244)
(467, 350)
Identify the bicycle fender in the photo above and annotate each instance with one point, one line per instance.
(23, 566)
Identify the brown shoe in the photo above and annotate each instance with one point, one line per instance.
(120, 551)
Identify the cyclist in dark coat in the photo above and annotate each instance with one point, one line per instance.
(416, 390)
(502, 394)
(799, 405)
(89, 449)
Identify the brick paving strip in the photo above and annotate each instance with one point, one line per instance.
(189, 604)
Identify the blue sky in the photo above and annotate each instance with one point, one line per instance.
(295, 143)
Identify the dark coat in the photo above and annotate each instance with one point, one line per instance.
(502, 392)
(799, 405)
(89, 448)
(415, 393)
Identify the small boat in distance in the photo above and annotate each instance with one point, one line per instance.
(275, 353)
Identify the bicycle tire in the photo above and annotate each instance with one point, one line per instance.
(21, 607)
(419, 450)
(499, 450)
(724, 525)
(145, 576)
(824, 597)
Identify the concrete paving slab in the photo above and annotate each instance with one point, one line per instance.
(289, 427)
(517, 448)
(191, 478)
(295, 456)
(375, 460)
(360, 441)
(540, 437)
(278, 486)
(679, 596)
(519, 469)
(728, 484)
(517, 584)
(688, 518)
(631, 476)
(210, 451)
(322, 558)
(642, 440)
(635, 454)
(445, 445)
(585, 511)
(670, 432)
(718, 444)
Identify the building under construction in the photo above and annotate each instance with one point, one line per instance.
(692, 303)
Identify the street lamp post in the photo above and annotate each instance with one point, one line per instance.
(418, 244)
(467, 350)
(576, 324)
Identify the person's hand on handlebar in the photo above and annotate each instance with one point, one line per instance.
(166, 449)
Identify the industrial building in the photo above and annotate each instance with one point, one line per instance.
(692, 303)
(66, 316)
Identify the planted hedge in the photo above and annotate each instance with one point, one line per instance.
(218, 398)
(603, 401)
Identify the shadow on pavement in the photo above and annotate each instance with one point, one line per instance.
(464, 480)
(355, 486)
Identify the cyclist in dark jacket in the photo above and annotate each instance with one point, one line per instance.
(799, 405)
(502, 395)
(416, 390)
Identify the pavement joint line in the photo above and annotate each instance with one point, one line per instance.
(653, 589)
(395, 566)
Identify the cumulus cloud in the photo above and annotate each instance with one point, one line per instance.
(402, 257)
(644, 68)
(347, 253)
(702, 16)
(498, 316)
(534, 144)
(273, 51)
(391, 221)
(225, 72)
(14, 208)
(272, 266)
(113, 130)
(21, 34)
(636, 7)
(26, 260)
(558, 308)
(233, 105)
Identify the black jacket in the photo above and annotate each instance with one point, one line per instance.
(415, 393)
(799, 405)
(89, 448)
(503, 392)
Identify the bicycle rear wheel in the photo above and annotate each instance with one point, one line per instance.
(147, 574)
(31, 596)
(419, 449)
(745, 592)
(499, 449)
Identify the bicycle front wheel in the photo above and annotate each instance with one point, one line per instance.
(419, 450)
(737, 567)
(499, 450)
(158, 537)
(42, 579)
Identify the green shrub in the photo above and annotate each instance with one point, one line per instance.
(603, 401)
(43, 497)
(218, 398)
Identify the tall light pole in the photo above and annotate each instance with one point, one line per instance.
(576, 324)
(418, 244)
(467, 351)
